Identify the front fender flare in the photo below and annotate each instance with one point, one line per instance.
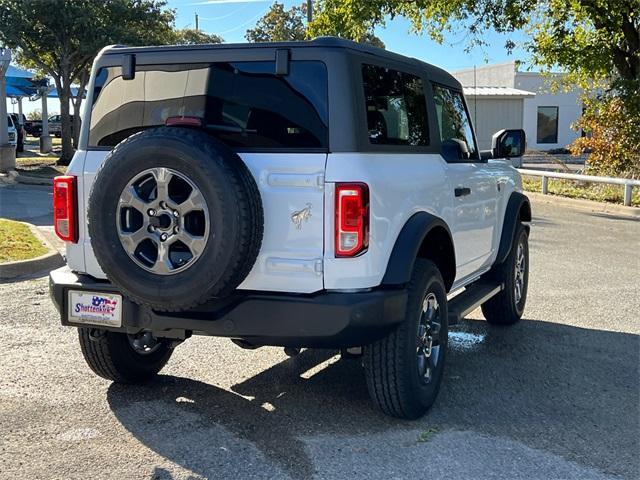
(517, 203)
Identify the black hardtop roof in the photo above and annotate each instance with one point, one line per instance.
(435, 73)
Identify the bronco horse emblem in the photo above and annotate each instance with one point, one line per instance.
(301, 216)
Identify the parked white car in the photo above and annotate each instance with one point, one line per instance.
(312, 194)
(13, 132)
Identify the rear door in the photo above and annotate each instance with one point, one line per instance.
(473, 187)
(276, 123)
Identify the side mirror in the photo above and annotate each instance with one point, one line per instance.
(508, 143)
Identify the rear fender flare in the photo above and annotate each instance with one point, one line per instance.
(407, 249)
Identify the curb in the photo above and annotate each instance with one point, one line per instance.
(23, 268)
(8, 178)
(586, 205)
(33, 180)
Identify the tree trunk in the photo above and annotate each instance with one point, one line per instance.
(64, 92)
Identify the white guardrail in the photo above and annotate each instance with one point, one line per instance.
(627, 183)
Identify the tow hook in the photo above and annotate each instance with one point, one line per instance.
(351, 353)
(292, 351)
(95, 334)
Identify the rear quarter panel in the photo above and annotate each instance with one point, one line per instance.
(400, 185)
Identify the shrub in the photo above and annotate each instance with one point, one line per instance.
(613, 137)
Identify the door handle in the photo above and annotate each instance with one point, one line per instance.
(462, 191)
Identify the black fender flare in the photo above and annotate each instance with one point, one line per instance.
(517, 203)
(407, 246)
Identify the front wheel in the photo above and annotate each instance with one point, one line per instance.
(123, 358)
(507, 307)
(404, 370)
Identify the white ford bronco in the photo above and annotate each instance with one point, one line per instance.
(309, 194)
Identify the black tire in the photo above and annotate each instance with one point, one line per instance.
(504, 308)
(393, 379)
(111, 356)
(234, 205)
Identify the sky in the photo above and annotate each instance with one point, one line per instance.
(231, 18)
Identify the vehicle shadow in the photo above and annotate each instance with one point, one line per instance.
(558, 388)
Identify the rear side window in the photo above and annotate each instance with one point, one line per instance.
(244, 104)
(396, 107)
(454, 124)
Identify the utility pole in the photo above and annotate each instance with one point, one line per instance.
(196, 22)
(475, 99)
(5, 59)
(7, 151)
(46, 144)
(309, 11)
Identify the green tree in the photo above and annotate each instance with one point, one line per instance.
(191, 36)
(34, 115)
(593, 38)
(60, 38)
(281, 25)
(597, 42)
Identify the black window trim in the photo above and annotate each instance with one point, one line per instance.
(557, 108)
(363, 143)
(473, 130)
(426, 106)
(237, 149)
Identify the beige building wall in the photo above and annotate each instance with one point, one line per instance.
(492, 114)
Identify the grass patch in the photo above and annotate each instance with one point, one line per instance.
(17, 242)
(44, 171)
(427, 434)
(34, 164)
(588, 191)
(30, 160)
(55, 141)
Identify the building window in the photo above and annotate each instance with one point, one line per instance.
(547, 124)
(396, 107)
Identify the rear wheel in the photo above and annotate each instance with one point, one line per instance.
(124, 358)
(404, 370)
(507, 307)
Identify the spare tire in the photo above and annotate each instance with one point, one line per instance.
(175, 218)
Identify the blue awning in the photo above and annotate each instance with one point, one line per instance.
(21, 83)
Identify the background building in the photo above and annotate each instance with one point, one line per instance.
(499, 91)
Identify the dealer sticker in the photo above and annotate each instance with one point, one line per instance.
(95, 308)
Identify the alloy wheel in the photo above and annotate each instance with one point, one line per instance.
(162, 221)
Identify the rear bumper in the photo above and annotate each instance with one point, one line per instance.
(325, 320)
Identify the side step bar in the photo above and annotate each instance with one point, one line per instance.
(471, 298)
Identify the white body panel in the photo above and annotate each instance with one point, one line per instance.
(290, 258)
(11, 130)
(402, 185)
(301, 258)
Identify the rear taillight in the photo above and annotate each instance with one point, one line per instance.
(64, 208)
(352, 219)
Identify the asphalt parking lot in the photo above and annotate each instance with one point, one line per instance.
(556, 396)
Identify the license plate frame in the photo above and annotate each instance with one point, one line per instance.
(88, 307)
